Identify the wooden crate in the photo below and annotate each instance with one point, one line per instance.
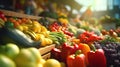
(44, 51)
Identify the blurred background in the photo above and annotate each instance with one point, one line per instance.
(96, 8)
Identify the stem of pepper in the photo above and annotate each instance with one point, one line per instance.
(92, 47)
(78, 52)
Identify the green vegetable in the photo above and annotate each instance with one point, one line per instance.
(12, 35)
(57, 37)
(9, 24)
(108, 39)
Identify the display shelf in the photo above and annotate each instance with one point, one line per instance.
(20, 15)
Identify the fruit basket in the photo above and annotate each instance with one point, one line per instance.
(44, 51)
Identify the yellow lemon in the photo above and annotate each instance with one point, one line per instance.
(52, 63)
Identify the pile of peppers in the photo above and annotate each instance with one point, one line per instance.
(79, 55)
(64, 51)
(55, 26)
(89, 37)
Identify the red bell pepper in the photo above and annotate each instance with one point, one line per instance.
(54, 26)
(89, 37)
(64, 51)
(67, 50)
(76, 60)
(96, 58)
(55, 53)
(65, 31)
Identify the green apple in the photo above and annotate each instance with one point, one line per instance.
(11, 50)
(6, 62)
(35, 52)
(25, 59)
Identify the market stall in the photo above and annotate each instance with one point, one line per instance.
(57, 39)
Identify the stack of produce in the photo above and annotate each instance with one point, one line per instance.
(102, 44)
(13, 56)
(81, 54)
(30, 30)
(81, 46)
(111, 47)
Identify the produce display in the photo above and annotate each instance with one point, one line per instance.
(78, 45)
(13, 56)
(111, 49)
